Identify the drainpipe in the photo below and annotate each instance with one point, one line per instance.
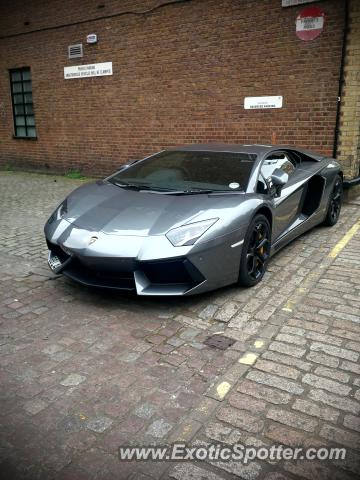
(356, 180)
(341, 76)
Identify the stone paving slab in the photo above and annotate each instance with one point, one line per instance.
(85, 371)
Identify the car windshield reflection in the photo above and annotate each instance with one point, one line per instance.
(188, 172)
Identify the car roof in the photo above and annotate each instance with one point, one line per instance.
(255, 149)
(223, 147)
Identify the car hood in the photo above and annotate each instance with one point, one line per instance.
(102, 206)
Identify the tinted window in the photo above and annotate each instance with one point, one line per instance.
(278, 160)
(189, 170)
(21, 94)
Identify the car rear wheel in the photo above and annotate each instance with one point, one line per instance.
(335, 201)
(256, 252)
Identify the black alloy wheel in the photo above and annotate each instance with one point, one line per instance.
(335, 202)
(256, 252)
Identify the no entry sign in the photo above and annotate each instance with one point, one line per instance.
(310, 23)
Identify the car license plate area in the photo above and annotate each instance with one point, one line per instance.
(54, 262)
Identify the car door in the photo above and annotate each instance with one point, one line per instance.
(286, 205)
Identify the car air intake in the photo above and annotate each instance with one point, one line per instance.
(171, 272)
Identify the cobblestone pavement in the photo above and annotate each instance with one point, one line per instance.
(83, 371)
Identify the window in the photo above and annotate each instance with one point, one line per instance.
(275, 160)
(190, 170)
(278, 160)
(22, 101)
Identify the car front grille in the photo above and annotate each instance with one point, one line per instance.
(78, 271)
(118, 272)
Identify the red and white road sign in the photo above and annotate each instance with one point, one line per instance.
(310, 23)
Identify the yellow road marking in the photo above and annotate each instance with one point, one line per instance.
(314, 276)
(248, 358)
(222, 389)
(289, 305)
(258, 344)
(344, 241)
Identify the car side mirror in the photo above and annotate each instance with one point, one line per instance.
(278, 179)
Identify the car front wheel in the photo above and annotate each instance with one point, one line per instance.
(335, 201)
(255, 252)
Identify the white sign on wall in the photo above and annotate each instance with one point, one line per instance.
(263, 102)
(291, 3)
(84, 71)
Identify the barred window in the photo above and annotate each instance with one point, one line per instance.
(22, 102)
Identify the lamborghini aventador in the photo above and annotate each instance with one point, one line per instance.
(191, 219)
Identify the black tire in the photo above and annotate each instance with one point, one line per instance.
(335, 202)
(256, 252)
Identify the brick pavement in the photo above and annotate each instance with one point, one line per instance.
(85, 371)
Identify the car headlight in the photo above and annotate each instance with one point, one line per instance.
(62, 210)
(188, 234)
(59, 212)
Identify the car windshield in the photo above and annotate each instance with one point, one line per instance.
(189, 171)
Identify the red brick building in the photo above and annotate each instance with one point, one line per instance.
(181, 71)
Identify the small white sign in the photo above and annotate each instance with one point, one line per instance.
(291, 3)
(84, 71)
(263, 102)
(309, 23)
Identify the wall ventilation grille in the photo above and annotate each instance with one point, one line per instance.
(75, 51)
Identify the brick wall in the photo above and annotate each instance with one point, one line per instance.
(180, 76)
(349, 137)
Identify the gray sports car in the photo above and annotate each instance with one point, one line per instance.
(192, 219)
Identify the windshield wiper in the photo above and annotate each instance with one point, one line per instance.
(126, 185)
(148, 187)
(207, 191)
(193, 192)
(169, 191)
